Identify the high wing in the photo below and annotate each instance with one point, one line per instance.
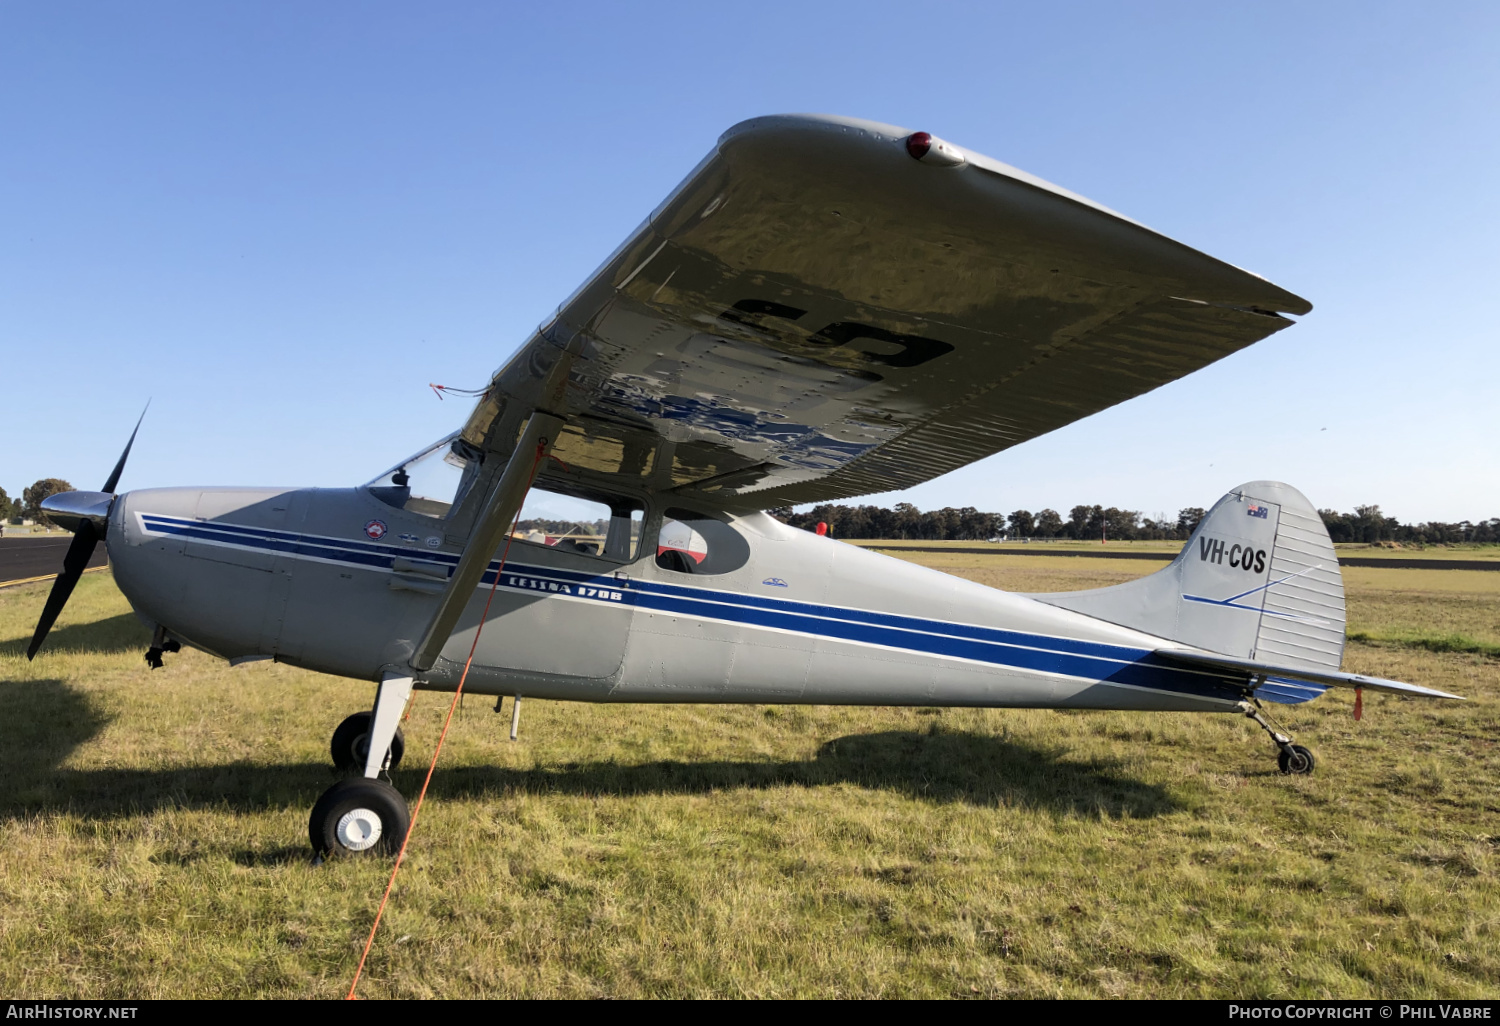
(821, 310)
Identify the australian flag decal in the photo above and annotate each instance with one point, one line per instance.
(1256, 511)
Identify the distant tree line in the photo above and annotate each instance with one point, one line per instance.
(563, 527)
(1368, 524)
(969, 524)
(905, 521)
(29, 505)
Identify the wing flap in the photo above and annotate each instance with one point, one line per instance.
(1139, 350)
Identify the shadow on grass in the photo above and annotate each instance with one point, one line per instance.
(42, 722)
(110, 636)
(47, 720)
(938, 766)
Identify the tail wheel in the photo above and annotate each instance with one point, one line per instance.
(351, 743)
(1296, 760)
(359, 816)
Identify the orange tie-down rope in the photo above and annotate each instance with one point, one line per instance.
(417, 810)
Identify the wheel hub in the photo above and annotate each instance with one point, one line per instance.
(358, 829)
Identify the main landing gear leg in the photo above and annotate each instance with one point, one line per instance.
(365, 813)
(1290, 758)
(161, 642)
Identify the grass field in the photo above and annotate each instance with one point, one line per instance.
(153, 833)
(1168, 549)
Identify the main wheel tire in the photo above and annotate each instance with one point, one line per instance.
(359, 816)
(1296, 760)
(351, 743)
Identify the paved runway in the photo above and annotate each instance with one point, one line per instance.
(27, 557)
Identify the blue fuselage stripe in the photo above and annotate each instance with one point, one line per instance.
(997, 646)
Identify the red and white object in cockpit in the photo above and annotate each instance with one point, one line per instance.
(679, 537)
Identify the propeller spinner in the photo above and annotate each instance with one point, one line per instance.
(86, 514)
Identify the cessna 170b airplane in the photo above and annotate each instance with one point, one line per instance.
(824, 308)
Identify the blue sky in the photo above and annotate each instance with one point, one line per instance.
(281, 221)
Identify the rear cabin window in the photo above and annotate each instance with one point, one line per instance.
(695, 543)
(571, 523)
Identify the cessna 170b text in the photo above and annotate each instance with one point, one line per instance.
(824, 308)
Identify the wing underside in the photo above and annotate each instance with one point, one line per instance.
(815, 315)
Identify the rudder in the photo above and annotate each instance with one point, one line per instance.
(1258, 579)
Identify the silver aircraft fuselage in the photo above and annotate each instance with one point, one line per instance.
(296, 575)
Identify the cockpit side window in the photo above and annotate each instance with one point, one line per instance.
(604, 526)
(433, 482)
(696, 543)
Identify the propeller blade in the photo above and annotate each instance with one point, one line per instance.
(85, 538)
(74, 563)
(114, 475)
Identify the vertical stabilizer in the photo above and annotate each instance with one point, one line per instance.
(1258, 580)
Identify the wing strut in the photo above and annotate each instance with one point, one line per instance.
(495, 519)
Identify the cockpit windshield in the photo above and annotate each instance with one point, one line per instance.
(433, 481)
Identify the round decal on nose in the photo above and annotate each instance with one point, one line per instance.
(375, 530)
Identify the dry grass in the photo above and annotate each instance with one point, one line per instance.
(1168, 549)
(153, 834)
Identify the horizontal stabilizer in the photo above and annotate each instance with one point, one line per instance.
(1331, 678)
